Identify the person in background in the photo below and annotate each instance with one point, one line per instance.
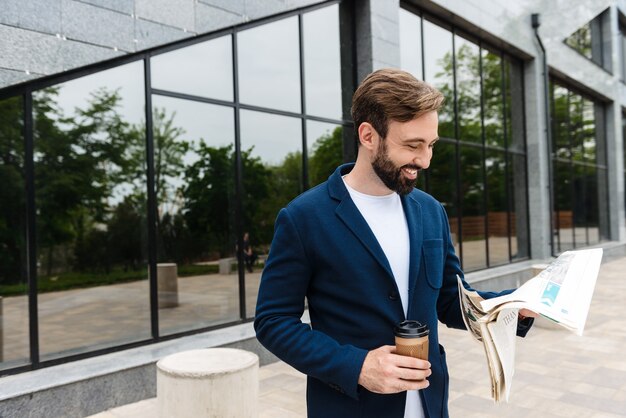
(249, 256)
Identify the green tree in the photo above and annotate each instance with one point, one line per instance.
(209, 201)
(12, 192)
(79, 160)
(326, 156)
(209, 207)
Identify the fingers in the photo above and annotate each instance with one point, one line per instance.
(412, 374)
(404, 385)
(386, 372)
(404, 361)
(528, 313)
(410, 362)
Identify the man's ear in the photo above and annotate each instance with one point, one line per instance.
(368, 137)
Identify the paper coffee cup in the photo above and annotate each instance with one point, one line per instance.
(412, 339)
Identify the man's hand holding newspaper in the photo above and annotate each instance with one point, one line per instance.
(562, 292)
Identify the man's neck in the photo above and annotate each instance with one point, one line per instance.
(363, 179)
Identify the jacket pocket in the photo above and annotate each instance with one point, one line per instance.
(432, 251)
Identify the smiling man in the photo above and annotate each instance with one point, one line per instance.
(368, 250)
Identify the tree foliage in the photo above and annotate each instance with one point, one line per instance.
(90, 188)
(326, 156)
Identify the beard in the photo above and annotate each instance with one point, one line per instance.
(390, 174)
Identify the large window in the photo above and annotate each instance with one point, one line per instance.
(579, 170)
(593, 40)
(157, 182)
(621, 42)
(14, 343)
(478, 170)
(90, 197)
(624, 150)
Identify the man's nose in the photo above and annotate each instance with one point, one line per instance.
(423, 159)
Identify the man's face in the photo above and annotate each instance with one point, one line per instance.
(405, 151)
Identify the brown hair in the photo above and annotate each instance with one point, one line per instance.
(392, 94)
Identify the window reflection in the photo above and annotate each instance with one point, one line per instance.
(518, 207)
(442, 169)
(467, 61)
(580, 206)
(485, 88)
(580, 190)
(592, 208)
(325, 150)
(322, 62)
(473, 222)
(514, 106)
(439, 72)
(411, 43)
(492, 88)
(497, 208)
(576, 126)
(204, 69)
(581, 40)
(624, 153)
(194, 157)
(589, 40)
(563, 206)
(14, 331)
(90, 197)
(269, 65)
(622, 50)
(271, 154)
(589, 132)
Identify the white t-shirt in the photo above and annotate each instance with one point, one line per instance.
(385, 217)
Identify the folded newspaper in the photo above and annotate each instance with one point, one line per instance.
(562, 292)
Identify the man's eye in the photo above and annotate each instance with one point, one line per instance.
(413, 147)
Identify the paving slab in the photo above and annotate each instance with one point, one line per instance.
(558, 374)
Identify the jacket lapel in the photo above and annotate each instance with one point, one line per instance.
(413, 213)
(352, 218)
(350, 215)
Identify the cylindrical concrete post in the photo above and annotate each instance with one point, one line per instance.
(167, 285)
(213, 382)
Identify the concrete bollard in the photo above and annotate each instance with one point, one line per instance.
(213, 382)
(226, 265)
(167, 285)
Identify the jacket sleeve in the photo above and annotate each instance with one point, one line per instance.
(448, 304)
(280, 305)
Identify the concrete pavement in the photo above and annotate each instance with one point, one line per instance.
(558, 374)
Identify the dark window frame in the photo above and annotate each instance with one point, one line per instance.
(26, 89)
(603, 55)
(483, 45)
(599, 108)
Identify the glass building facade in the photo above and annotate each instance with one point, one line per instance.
(478, 170)
(581, 215)
(133, 189)
(163, 166)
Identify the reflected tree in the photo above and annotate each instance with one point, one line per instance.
(208, 209)
(12, 193)
(79, 162)
(326, 156)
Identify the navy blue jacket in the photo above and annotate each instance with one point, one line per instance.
(323, 250)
